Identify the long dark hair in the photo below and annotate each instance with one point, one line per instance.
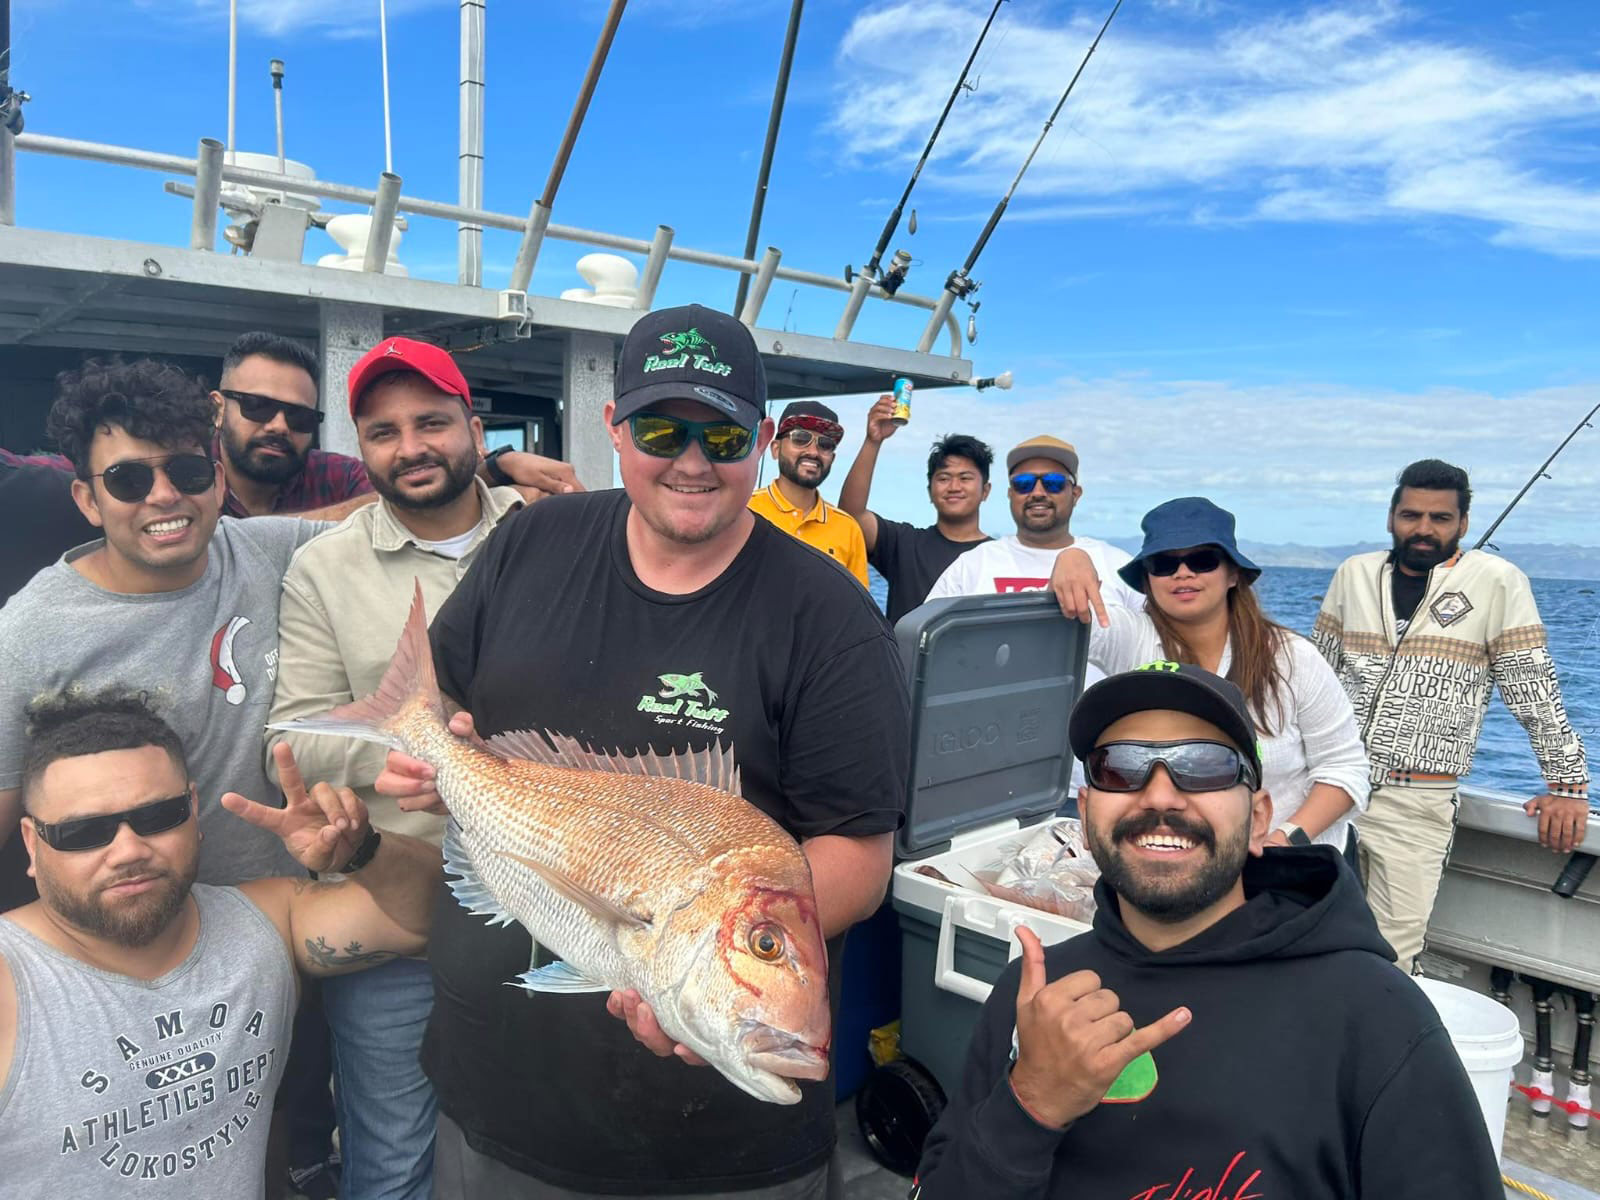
(1255, 638)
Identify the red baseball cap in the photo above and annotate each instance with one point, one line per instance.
(406, 354)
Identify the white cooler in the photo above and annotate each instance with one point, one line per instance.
(992, 681)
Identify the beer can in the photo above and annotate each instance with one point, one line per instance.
(902, 401)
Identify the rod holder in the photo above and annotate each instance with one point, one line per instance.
(859, 287)
(207, 194)
(654, 264)
(761, 286)
(384, 208)
(941, 313)
(528, 251)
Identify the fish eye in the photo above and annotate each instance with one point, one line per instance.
(765, 944)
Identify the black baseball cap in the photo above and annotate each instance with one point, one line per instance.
(1179, 687)
(691, 353)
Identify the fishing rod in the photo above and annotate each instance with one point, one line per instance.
(1586, 423)
(960, 285)
(896, 274)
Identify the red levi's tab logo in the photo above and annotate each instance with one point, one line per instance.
(1018, 583)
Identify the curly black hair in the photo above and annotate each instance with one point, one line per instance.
(75, 723)
(154, 401)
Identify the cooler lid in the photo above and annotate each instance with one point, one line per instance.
(993, 679)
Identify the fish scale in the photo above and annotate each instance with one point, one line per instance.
(646, 872)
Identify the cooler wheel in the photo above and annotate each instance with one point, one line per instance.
(895, 1109)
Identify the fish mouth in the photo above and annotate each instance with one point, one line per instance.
(784, 1054)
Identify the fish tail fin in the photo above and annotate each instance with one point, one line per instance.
(409, 679)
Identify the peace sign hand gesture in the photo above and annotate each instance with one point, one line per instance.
(322, 828)
(1073, 1039)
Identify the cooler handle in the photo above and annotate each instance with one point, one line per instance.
(969, 912)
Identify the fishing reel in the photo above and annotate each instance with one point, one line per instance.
(895, 273)
(11, 102)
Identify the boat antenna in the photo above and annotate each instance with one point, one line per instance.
(1541, 473)
(896, 274)
(960, 284)
(383, 45)
(780, 92)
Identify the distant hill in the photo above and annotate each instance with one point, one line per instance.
(1541, 560)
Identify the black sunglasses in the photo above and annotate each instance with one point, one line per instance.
(261, 409)
(1054, 482)
(804, 437)
(662, 436)
(132, 479)
(1194, 766)
(1200, 562)
(90, 833)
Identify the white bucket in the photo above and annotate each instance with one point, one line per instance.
(1486, 1035)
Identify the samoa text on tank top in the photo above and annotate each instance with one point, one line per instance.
(123, 1087)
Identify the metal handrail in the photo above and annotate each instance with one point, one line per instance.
(174, 164)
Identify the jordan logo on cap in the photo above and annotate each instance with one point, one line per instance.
(393, 348)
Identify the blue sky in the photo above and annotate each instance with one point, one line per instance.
(1271, 252)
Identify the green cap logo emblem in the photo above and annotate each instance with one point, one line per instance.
(690, 348)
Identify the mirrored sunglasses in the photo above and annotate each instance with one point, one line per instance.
(261, 410)
(804, 437)
(90, 833)
(1054, 482)
(1194, 766)
(662, 436)
(131, 480)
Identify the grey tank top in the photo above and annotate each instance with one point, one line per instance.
(154, 1088)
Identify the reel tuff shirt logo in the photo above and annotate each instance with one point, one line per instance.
(689, 348)
(684, 700)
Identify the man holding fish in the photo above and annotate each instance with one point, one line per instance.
(697, 742)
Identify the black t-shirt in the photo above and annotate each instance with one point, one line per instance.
(1408, 592)
(912, 560)
(788, 659)
(41, 524)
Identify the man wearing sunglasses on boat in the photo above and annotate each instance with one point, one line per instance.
(144, 1018)
(808, 437)
(665, 616)
(265, 414)
(1231, 1026)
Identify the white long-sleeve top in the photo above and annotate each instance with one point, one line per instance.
(1314, 740)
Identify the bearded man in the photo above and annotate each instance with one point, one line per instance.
(804, 446)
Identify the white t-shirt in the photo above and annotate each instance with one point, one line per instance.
(453, 547)
(1315, 740)
(1006, 565)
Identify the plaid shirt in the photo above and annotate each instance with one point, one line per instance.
(327, 478)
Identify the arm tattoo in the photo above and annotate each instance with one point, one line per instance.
(326, 957)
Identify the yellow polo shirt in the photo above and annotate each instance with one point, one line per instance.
(829, 529)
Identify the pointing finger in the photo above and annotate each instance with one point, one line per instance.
(289, 777)
(259, 815)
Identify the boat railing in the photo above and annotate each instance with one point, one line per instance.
(209, 170)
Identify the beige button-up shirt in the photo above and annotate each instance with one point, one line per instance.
(345, 600)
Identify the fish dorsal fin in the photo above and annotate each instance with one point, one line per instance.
(714, 765)
(606, 910)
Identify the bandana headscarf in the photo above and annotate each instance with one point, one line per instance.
(818, 425)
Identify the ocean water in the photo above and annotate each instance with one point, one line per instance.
(1571, 612)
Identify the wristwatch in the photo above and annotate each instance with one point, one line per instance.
(364, 852)
(1296, 835)
(492, 469)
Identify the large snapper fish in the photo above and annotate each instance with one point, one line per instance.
(647, 872)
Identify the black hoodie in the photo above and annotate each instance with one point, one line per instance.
(1313, 1069)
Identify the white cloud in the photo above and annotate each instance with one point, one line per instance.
(1345, 112)
(1312, 463)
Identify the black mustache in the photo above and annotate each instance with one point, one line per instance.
(280, 443)
(1142, 823)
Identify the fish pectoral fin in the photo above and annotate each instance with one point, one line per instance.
(469, 890)
(557, 977)
(606, 910)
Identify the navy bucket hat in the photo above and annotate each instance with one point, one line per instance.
(1180, 524)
